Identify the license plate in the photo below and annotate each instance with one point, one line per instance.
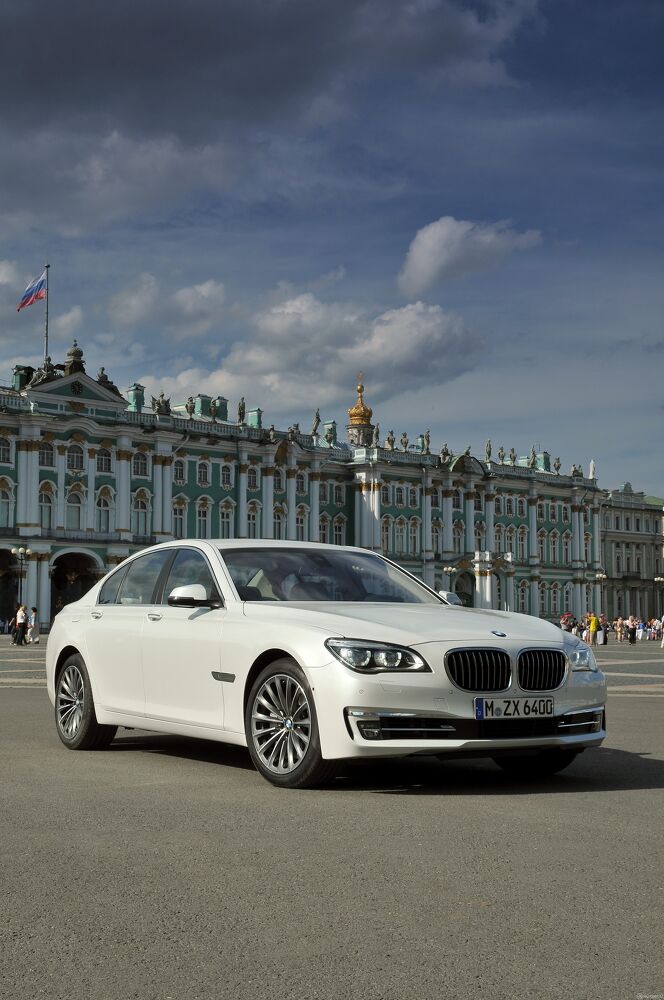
(513, 708)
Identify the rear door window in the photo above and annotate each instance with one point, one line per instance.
(143, 574)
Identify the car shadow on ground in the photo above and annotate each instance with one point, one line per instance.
(600, 770)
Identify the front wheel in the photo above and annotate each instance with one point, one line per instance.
(282, 728)
(75, 717)
(537, 765)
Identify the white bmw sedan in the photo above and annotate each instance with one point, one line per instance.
(310, 654)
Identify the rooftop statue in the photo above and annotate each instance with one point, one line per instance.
(467, 452)
(445, 454)
(532, 460)
(389, 441)
(241, 410)
(190, 406)
(512, 456)
(213, 411)
(161, 406)
(316, 423)
(556, 466)
(487, 451)
(501, 455)
(427, 442)
(404, 442)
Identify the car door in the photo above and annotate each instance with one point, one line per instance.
(182, 650)
(113, 636)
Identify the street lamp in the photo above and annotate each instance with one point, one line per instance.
(22, 555)
(449, 570)
(601, 577)
(659, 580)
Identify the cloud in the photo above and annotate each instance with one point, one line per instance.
(452, 247)
(187, 312)
(8, 273)
(300, 342)
(68, 323)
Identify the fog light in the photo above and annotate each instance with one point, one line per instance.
(370, 730)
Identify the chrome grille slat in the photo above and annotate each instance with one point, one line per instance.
(541, 669)
(479, 669)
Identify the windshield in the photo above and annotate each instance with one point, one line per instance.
(281, 574)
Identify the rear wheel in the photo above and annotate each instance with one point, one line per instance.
(282, 728)
(537, 765)
(75, 717)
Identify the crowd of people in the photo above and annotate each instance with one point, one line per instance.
(24, 626)
(595, 629)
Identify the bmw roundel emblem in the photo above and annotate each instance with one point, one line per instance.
(501, 635)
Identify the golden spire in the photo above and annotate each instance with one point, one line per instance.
(360, 413)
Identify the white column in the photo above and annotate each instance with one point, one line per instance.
(509, 591)
(33, 476)
(448, 518)
(43, 601)
(123, 458)
(576, 533)
(597, 599)
(533, 552)
(90, 506)
(30, 589)
(578, 606)
(596, 550)
(243, 468)
(157, 495)
(427, 540)
(60, 468)
(534, 598)
(357, 526)
(167, 495)
(470, 518)
(291, 500)
(267, 483)
(22, 486)
(314, 515)
(489, 512)
(377, 540)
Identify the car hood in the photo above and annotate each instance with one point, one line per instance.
(412, 623)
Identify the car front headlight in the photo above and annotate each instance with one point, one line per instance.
(376, 657)
(582, 658)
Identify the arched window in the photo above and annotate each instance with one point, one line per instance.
(521, 543)
(522, 597)
(253, 521)
(300, 524)
(385, 495)
(542, 600)
(202, 520)
(435, 498)
(178, 520)
(478, 502)
(480, 535)
(521, 507)
(5, 509)
(553, 511)
(399, 496)
(414, 536)
(541, 546)
(279, 523)
(178, 473)
(203, 478)
(437, 538)
(586, 548)
(456, 500)
(509, 506)
(226, 477)
(324, 529)
(540, 511)
(279, 481)
(75, 458)
(5, 451)
(588, 592)
(498, 505)
(457, 536)
(567, 598)
(555, 599)
(139, 467)
(339, 527)
(400, 537)
(226, 521)
(412, 497)
(510, 537)
(103, 460)
(385, 531)
(300, 483)
(252, 478)
(566, 514)
(73, 514)
(323, 494)
(498, 537)
(339, 495)
(567, 549)
(45, 509)
(139, 517)
(46, 455)
(103, 514)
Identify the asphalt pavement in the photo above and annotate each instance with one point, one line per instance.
(167, 868)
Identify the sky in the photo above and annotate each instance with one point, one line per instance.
(261, 198)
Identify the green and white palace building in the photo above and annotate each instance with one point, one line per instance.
(89, 475)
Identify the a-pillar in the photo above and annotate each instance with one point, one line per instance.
(243, 468)
(267, 483)
(469, 497)
(90, 507)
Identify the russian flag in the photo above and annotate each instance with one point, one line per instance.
(36, 290)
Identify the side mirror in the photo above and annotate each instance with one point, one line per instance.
(192, 596)
(451, 597)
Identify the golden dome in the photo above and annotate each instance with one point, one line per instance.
(360, 413)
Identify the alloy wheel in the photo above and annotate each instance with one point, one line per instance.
(281, 724)
(71, 701)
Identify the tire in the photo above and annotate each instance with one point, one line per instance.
(282, 728)
(537, 765)
(75, 718)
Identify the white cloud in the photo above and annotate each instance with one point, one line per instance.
(452, 247)
(68, 323)
(8, 274)
(136, 302)
(200, 299)
(187, 312)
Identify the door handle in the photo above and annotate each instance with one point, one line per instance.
(153, 616)
(95, 614)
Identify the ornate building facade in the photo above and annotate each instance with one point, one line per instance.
(89, 475)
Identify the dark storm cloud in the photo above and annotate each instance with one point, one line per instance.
(150, 66)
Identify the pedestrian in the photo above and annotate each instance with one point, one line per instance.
(631, 630)
(33, 626)
(21, 625)
(593, 628)
(13, 626)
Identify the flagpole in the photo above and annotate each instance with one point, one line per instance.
(46, 330)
